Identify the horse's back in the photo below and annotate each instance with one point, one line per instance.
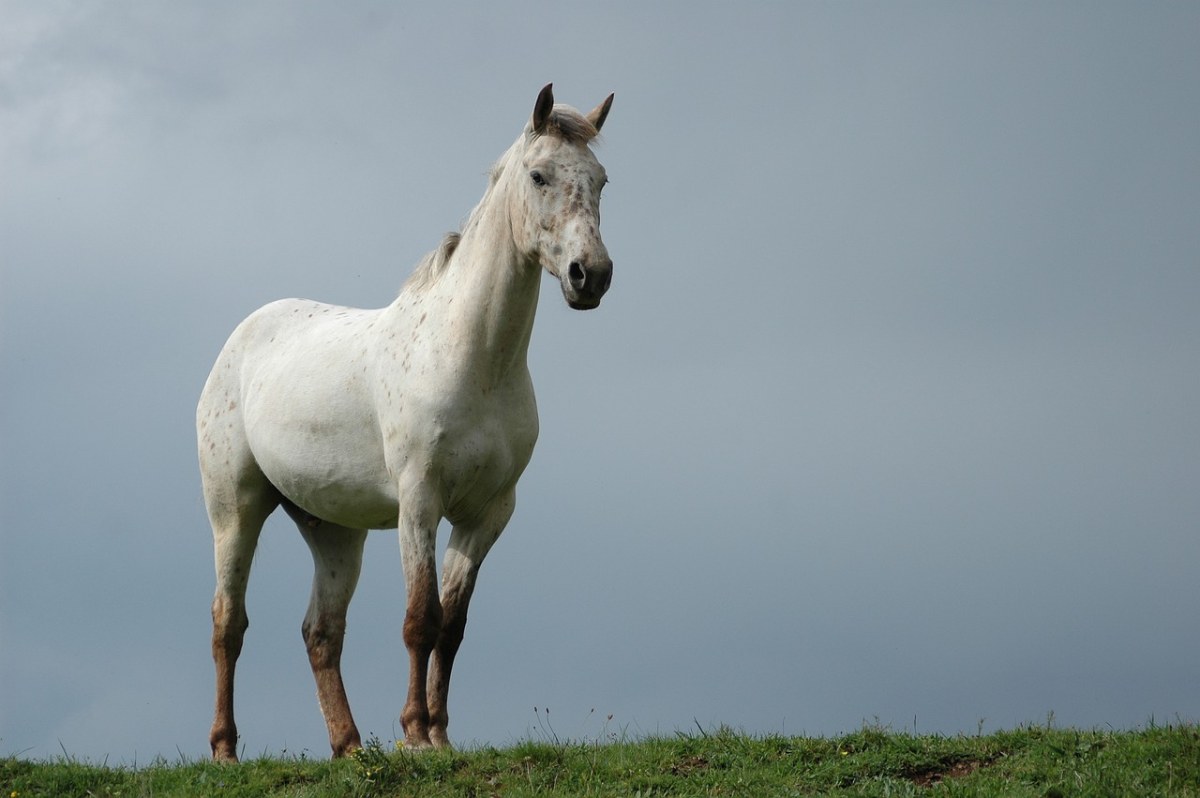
(249, 347)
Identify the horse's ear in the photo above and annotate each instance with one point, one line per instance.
(542, 109)
(600, 113)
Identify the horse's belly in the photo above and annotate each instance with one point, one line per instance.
(333, 488)
(329, 465)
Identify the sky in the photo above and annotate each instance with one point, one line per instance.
(889, 416)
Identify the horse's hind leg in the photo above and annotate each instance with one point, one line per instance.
(337, 561)
(237, 515)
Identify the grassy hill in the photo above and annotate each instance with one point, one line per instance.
(1031, 761)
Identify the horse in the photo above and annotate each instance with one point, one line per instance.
(395, 418)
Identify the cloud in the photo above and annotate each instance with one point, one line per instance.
(888, 412)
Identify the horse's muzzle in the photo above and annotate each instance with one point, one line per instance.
(584, 284)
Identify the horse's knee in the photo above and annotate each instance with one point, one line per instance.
(423, 619)
(229, 625)
(423, 624)
(323, 637)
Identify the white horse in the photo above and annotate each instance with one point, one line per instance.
(396, 418)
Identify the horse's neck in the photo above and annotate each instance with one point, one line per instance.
(481, 307)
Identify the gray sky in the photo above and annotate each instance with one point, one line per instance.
(890, 413)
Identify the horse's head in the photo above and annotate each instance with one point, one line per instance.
(556, 214)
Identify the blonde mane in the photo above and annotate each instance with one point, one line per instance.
(433, 264)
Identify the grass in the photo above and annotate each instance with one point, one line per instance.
(1031, 761)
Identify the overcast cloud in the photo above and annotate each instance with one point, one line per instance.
(891, 413)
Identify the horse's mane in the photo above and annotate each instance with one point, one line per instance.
(565, 123)
(433, 264)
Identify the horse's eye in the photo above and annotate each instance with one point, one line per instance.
(537, 178)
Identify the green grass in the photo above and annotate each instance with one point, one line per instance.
(1031, 761)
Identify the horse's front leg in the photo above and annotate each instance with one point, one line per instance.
(469, 544)
(422, 620)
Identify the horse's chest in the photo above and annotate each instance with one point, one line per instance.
(471, 451)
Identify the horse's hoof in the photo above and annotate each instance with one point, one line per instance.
(417, 745)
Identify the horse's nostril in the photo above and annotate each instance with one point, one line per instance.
(577, 275)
